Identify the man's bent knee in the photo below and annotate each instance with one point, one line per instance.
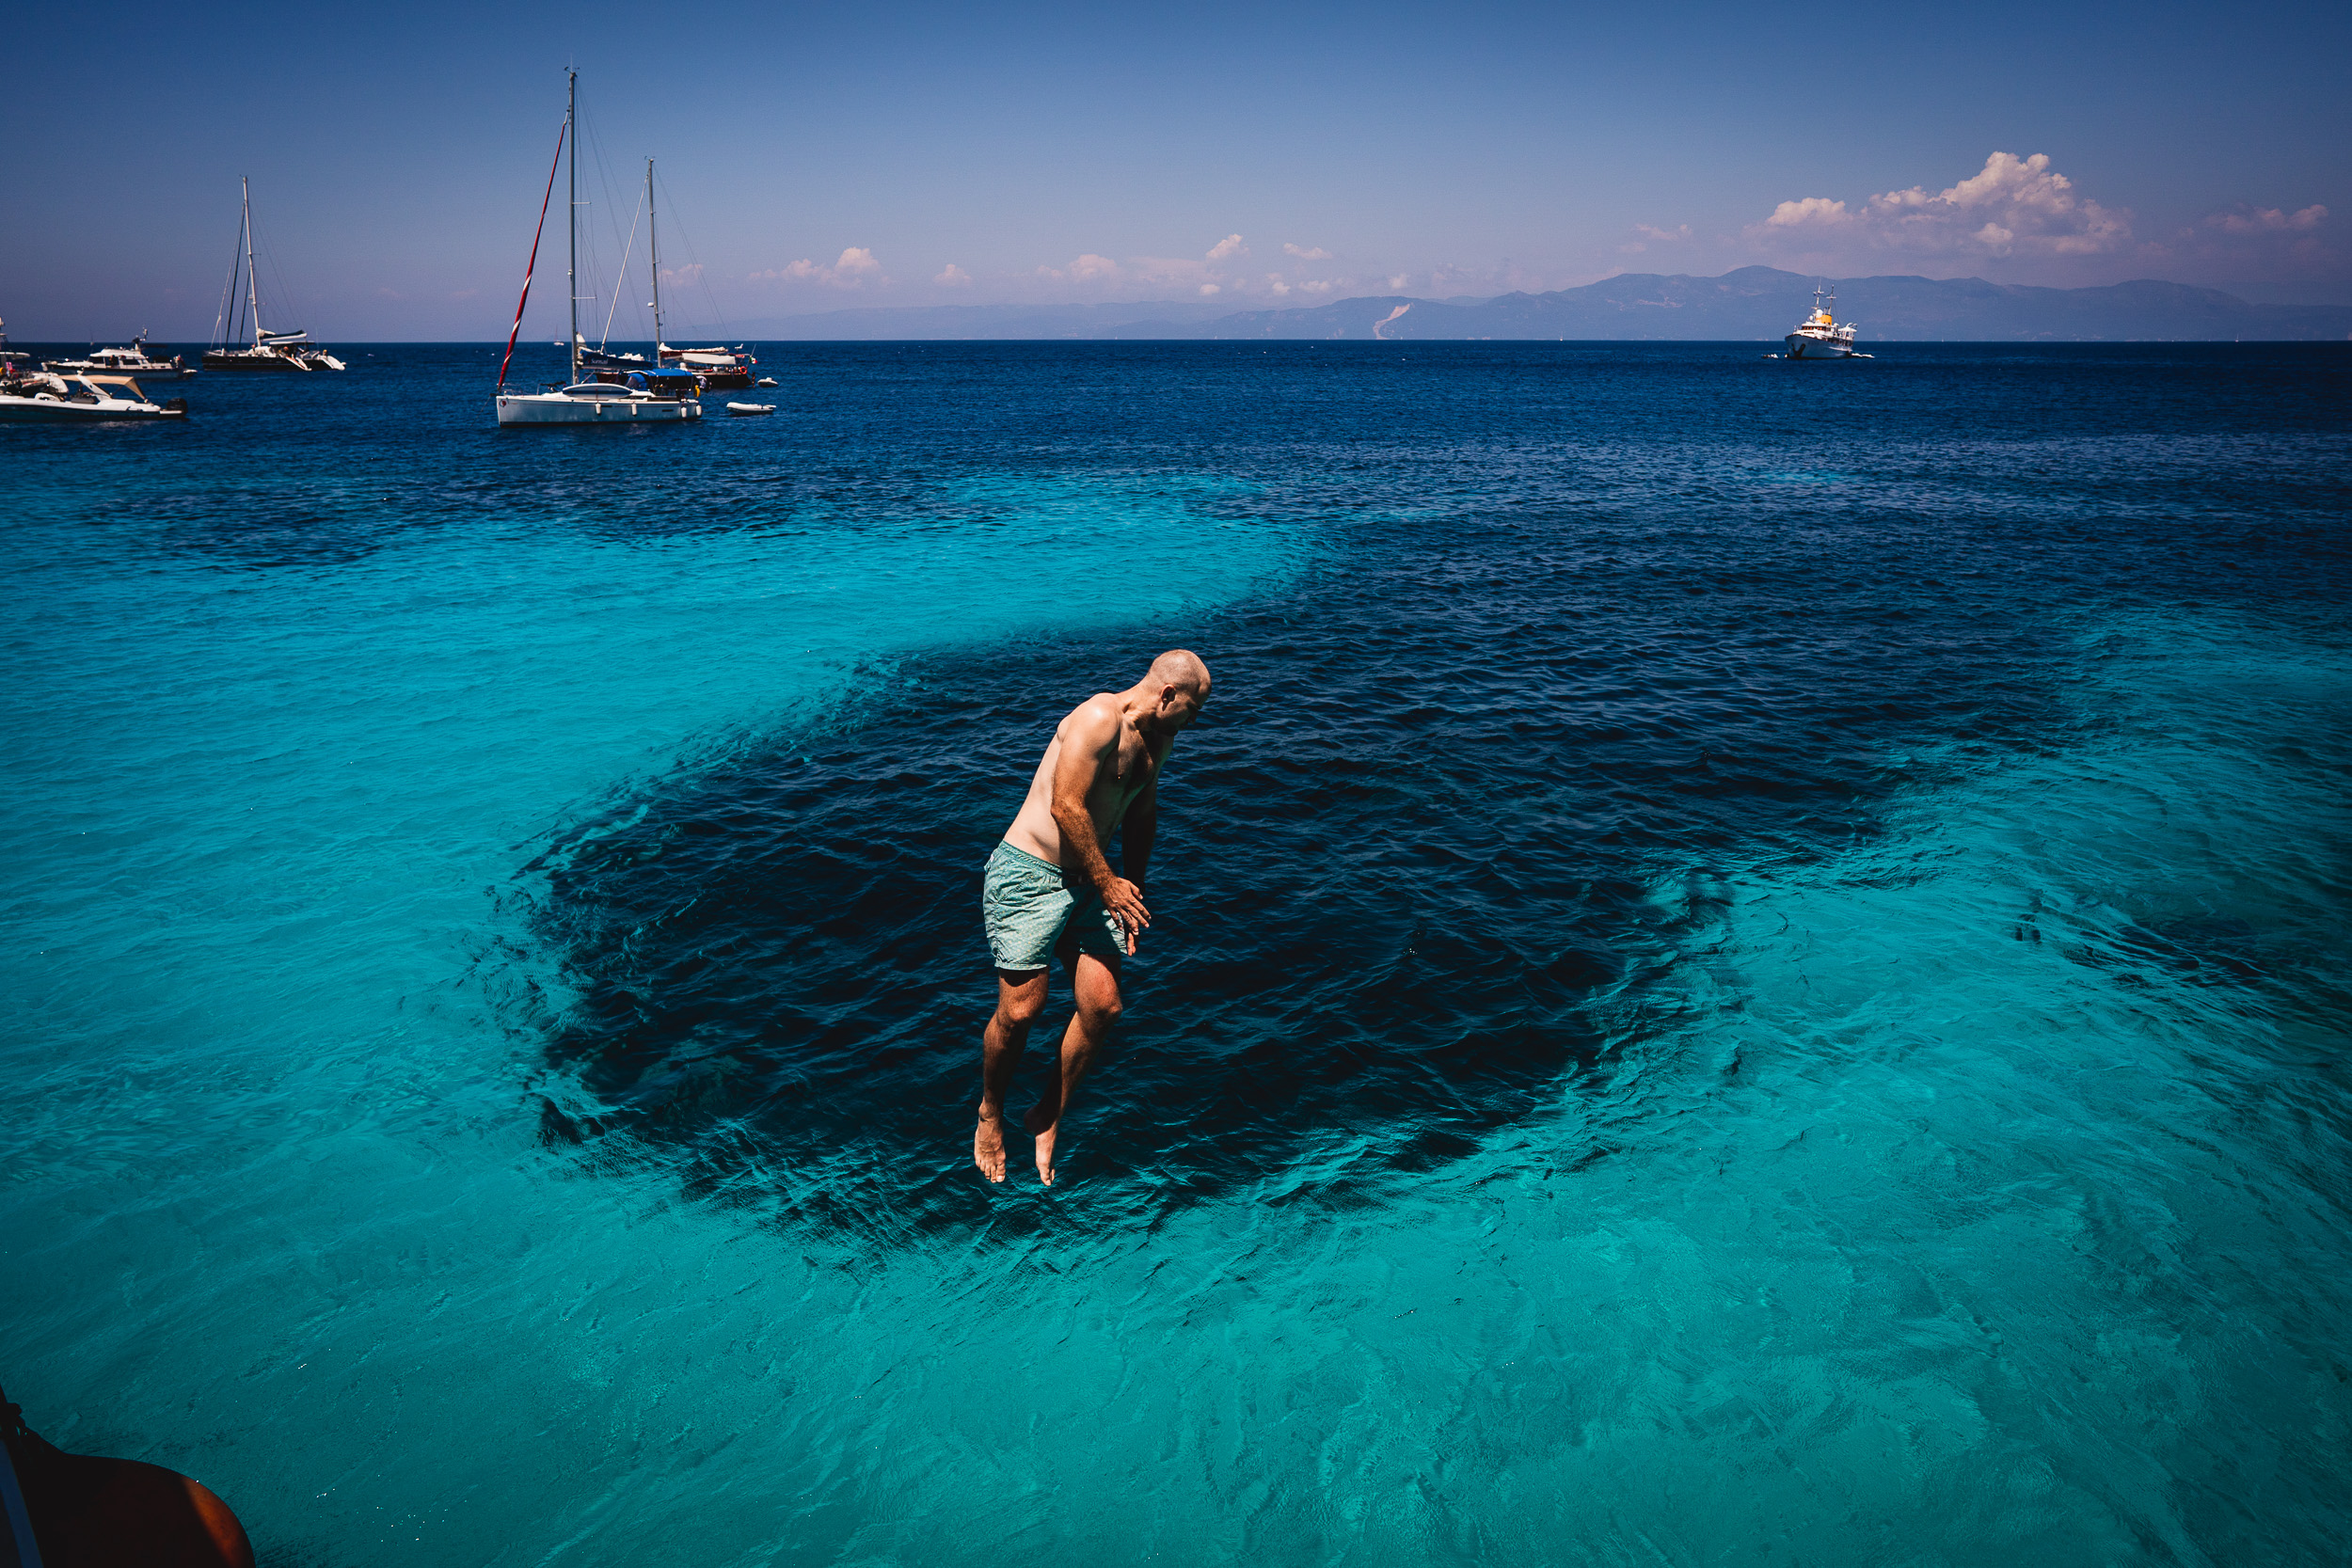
(1020, 998)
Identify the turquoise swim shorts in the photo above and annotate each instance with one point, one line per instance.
(1028, 902)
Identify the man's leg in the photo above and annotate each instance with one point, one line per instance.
(1020, 997)
(1096, 982)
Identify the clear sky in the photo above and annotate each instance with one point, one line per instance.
(818, 156)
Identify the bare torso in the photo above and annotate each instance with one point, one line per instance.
(1113, 791)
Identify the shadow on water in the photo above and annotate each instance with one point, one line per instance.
(1407, 892)
(782, 978)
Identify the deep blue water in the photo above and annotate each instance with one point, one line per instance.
(1748, 961)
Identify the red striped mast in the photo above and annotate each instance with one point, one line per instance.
(533, 265)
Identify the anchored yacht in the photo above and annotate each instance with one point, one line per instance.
(633, 395)
(1821, 337)
(82, 399)
(135, 360)
(271, 351)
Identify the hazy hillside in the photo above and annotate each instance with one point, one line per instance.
(1753, 303)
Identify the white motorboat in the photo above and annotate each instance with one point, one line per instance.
(270, 351)
(721, 369)
(81, 399)
(1820, 336)
(632, 396)
(133, 360)
(742, 411)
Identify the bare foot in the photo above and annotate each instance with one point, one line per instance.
(988, 1147)
(1043, 1124)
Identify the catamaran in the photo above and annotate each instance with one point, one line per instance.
(634, 396)
(271, 351)
(1821, 337)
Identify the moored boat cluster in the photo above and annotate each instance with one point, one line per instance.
(602, 387)
(607, 389)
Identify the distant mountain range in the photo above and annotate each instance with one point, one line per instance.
(1751, 303)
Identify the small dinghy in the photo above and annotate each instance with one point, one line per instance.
(741, 408)
(765, 381)
(73, 1510)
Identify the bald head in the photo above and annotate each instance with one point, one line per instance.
(1171, 693)
(1181, 667)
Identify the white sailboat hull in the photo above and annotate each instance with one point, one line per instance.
(555, 408)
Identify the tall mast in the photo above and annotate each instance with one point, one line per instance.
(252, 294)
(571, 212)
(227, 325)
(653, 235)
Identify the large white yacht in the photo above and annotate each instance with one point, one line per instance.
(81, 399)
(651, 395)
(1819, 336)
(133, 360)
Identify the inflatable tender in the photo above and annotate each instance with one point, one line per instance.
(74, 1510)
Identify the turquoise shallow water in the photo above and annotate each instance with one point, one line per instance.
(1711, 1005)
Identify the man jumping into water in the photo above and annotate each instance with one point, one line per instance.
(1051, 890)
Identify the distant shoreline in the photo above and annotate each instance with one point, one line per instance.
(1746, 305)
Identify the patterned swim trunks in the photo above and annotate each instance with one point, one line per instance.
(1029, 902)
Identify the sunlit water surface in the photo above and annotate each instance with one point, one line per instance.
(1748, 962)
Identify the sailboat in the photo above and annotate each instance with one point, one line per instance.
(271, 351)
(635, 397)
(630, 370)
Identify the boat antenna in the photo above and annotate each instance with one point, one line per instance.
(251, 282)
(533, 265)
(571, 214)
(653, 238)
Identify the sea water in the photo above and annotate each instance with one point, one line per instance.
(1747, 960)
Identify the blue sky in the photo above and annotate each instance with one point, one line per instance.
(818, 156)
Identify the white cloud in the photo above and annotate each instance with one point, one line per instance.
(1315, 286)
(2269, 220)
(1208, 289)
(1399, 280)
(1227, 248)
(2011, 207)
(1652, 234)
(1306, 253)
(953, 277)
(1088, 268)
(854, 268)
(2248, 243)
(690, 273)
(1277, 285)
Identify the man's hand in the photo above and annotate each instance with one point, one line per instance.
(1124, 899)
